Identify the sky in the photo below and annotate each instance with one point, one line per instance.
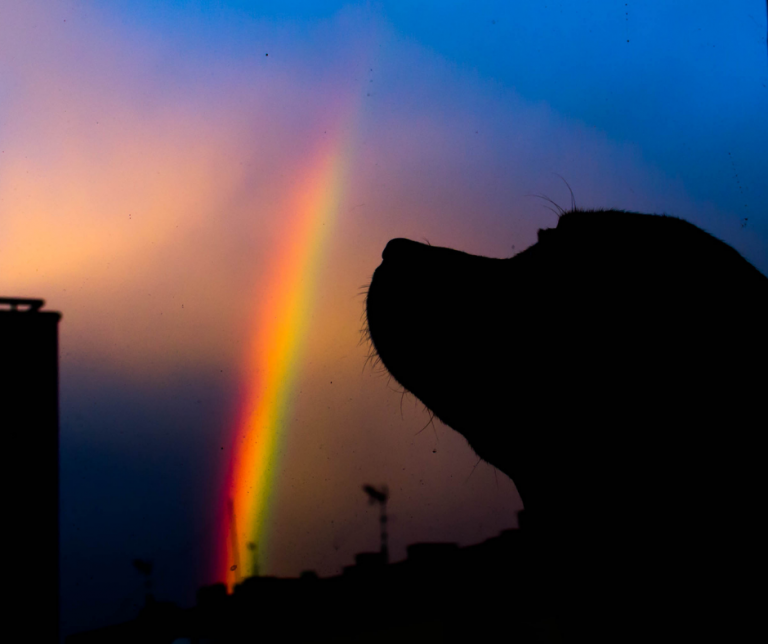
(187, 181)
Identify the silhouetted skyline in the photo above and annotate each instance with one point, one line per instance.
(440, 592)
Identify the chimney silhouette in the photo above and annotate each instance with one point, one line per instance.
(29, 417)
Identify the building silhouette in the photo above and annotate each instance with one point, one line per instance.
(439, 593)
(29, 417)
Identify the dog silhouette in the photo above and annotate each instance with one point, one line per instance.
(616, 371)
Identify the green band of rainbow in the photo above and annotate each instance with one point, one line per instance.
(273, 361)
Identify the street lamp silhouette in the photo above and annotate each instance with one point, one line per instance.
(254, 559)
(145, 568)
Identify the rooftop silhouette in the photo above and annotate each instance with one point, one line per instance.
(440, 593)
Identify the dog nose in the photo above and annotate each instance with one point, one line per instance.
(399, 249)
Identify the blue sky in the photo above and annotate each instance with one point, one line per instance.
(667, 77)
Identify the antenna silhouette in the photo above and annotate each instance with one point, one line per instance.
(235, 550)
(380, 497)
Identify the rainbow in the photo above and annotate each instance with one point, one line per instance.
(280, 327)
